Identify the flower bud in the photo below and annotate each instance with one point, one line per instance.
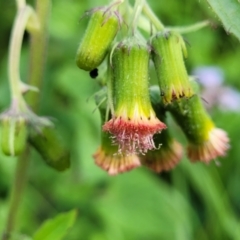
(206, 142)
(134, 121)
(101, 31)
(168, 51)
(14, 135)
(50, 145)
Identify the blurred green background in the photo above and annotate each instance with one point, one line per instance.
(194, 201)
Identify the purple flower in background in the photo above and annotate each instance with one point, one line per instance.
(214, 92)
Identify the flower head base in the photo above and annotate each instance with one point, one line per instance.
(108, 158)
(134, 121)
(14, 134)
(206, 142)
(15, 123)
(168, 51)
(134, 134)
(217, 145)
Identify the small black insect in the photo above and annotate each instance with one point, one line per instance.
(94, 73)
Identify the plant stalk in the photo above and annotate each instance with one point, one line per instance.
(38, 52)
(19, 28)
(16, 194)
(37, 61)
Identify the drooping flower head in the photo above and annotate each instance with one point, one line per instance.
(109, 159)
(168, 56)
(134, 121)
(169, 151)
(206, 142)
(107, 156)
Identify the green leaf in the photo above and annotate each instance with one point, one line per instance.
(228, 11)
(57, 227)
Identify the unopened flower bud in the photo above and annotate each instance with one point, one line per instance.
(134, 122)
(168, 52)
(101, 31)
(50, 145)
(206, 142)
(13, 134)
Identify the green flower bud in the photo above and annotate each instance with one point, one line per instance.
(14, 135)
(134, 122)
(206, 142)
(101, 31)
(168, 51)
(49, 144)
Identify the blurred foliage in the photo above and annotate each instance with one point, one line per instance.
(228, 12)
(194, 201)
(57, 227)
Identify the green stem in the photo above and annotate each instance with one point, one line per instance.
(37, 60)
(136, 14)
(153, 18)
(190, 28)
(19, 27)
(16, 194)
(110, 90)
(38, 52)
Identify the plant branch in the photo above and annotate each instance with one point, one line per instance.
(190, 28)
